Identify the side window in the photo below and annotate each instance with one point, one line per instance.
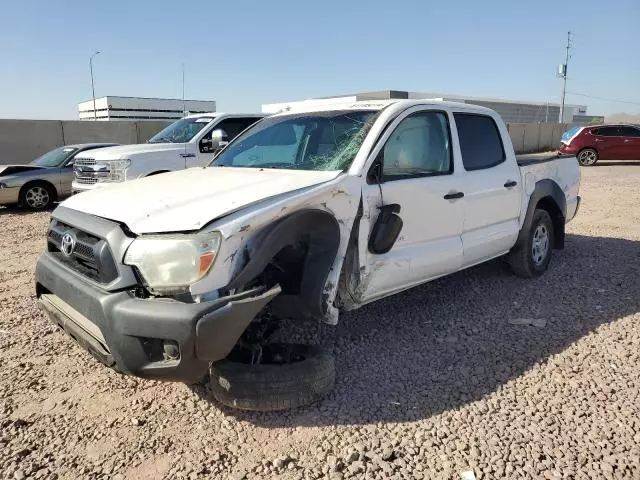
(480, 141)
(607, 132)
(231, 126)
(234, 126)
(419, 146)
(629, 131)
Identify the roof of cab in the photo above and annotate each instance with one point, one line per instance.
(311, 107)
(218, 114)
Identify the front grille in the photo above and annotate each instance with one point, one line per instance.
(86, 181)
(88, 172)
(90, 257)
(84, 161)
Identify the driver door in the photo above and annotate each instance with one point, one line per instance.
(421, 175)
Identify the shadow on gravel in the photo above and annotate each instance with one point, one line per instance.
(618, 163)
(445, 344)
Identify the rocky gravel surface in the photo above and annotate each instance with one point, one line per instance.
(480, 372)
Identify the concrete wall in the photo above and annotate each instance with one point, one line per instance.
(536, 137)
(22, 141)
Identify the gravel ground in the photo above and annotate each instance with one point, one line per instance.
(480, 371)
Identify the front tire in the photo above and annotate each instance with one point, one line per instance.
(531, 258)
(587, 157)
(37, 196)
(290, 376)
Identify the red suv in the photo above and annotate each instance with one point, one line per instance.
(602, 142)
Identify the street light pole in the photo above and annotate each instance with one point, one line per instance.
(564, 77)
(93, 90)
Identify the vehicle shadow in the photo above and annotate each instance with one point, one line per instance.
(618, 163)
(449, 342)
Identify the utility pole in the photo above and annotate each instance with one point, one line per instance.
(184, 109)
(563, 73)
(93, 90)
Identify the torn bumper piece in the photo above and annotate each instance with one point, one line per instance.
(157, 339)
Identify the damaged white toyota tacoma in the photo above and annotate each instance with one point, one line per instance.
(184, 276)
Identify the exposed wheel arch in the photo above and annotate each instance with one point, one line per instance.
(547, 196)
(157, 173)
(307, 242)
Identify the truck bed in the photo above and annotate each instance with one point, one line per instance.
(534, 158)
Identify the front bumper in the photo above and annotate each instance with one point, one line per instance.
(77, 187)
(9, 195)
(133, 335)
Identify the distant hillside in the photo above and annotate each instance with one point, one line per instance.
(623, 118)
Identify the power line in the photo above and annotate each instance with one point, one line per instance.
(604, 98)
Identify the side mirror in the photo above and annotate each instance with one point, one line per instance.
(386, 229)
(217, 141)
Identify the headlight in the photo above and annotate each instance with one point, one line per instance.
(117, 170)
(169, 264)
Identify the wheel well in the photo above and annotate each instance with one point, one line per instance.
(297, 253)
(158, 172)
(551, 207)
(38, 182)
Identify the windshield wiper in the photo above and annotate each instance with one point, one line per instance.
(161, 140)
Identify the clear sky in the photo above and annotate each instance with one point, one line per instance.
(246, 53)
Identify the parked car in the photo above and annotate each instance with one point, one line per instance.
(602, 142)
(308, 213)
(189, 142)
(47, 179)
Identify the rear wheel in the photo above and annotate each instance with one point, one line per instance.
(37, 196)
(279, 376)
(587, 157)
(531, 258)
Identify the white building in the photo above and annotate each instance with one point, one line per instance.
(135, 108)
(511, 111)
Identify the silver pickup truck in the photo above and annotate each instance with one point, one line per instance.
(308, 213)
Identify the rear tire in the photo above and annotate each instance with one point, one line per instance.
(531, 258)
(273, 386)
(587, 157)
(37, 196)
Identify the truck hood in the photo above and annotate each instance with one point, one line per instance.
(13, 169)
(126, 151)
(189, 199)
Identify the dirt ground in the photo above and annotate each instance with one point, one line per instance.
(433, 382)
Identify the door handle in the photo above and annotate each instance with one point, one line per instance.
(187, 155)
(510, 184)
(453, 196)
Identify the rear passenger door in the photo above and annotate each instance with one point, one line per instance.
(630, 148)
(608, 143)
(492, 188)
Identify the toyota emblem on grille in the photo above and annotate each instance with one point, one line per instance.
(68, 244)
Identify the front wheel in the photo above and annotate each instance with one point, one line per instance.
(37, 196)
(279, 377)
(531, 258)
(587, 157)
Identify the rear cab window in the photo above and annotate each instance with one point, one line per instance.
(480, 141)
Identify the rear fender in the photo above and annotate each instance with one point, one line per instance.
(549, 196)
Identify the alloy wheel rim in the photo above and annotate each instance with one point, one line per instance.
(37, 197)
(540, 244)
(588, 157)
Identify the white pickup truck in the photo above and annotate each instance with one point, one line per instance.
(184, 276)
(189, 142)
